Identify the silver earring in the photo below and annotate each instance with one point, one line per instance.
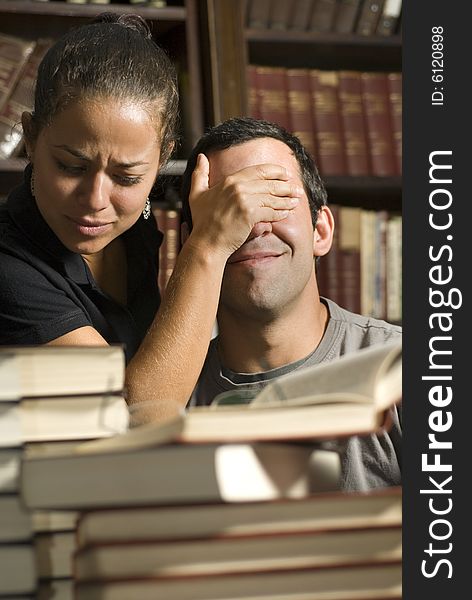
(32, 181)
(147, 209)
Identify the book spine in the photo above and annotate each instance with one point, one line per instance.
(380, 298)
(280, 13)
(353, 122)
(252, 91)
(389, 18)
(258, 14)
(299, 107)
(301, 14)
(272, 95)
(346, 16)
(394, 81)
(369, 17)
(173, 242)
(349, 224)
(376, 101)
(367, 261)
(327, 122)
(394, 269)
(322, 16)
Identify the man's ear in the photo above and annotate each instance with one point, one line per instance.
(324, 230)
(29, 133)
(184, 233)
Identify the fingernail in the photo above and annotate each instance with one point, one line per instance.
(294, 201)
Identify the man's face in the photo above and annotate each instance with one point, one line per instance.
(274, 267)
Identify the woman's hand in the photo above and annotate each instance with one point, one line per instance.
(224, 215)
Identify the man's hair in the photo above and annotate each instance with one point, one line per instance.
(113, 57)
(239, 130)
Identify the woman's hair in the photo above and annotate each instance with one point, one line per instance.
(112, 57)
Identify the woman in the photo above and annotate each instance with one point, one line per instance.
(78, 251)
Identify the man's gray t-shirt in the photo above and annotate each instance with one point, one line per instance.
(369, 461)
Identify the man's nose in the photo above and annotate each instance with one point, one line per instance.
(260, 229)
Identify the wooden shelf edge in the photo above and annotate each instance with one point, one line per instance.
(69, 9)
(313, 37)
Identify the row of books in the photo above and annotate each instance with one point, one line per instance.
(351, 121)
(363, 270)
(363, 17)
(215, 503)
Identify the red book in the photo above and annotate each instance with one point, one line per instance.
(272, 95)
(349, 232)
(299, 106)
(327, 121)
(353, 121)
(252, 93)
(375, 96)
(395, 95)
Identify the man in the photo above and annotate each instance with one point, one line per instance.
(271, 319)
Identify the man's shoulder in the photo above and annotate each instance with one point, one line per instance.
(358, 331)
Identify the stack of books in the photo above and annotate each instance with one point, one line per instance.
(236, 500)
(65, 396)
(17, 559)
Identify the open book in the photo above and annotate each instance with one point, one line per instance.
(348, 396)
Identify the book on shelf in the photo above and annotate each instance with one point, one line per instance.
(369, 17)
(32, 371)
(327, 122)
(349, 248)
(252, 94)
(14, 52)
(389, 18)
(353, 123)
(394, 269)
(237, 553)
(368, 252)
(299, 107)
(346, 582)
(272, 95)
(92, 476)
(317, 512)
(322, 16)
(301, 14)
(345, 17)
(20, 100)
(280, 14)
(376, 100)
(258, 13)
(394, 84)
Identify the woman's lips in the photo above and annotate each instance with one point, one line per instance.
(89, 227)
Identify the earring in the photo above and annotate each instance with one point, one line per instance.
(147, 209)
(32, 181)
